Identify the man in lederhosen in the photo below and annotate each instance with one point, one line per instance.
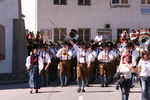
(90, 64)
(73, 64)
(116, 53)
(46, 61)
(105, 57)
(53, 69)
(81, 65)
(64, 54)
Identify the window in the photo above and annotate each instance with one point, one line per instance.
(84, 34)
(105, 33)
(60, 34)
(60, 2)
(120, 2)
(2, 42)
(145, 1)
(120, 30)
(84, 2)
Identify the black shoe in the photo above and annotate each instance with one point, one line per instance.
(117, 87)
(106, 85)
(102, 85)
(87, 85)
(78, 90)
(66, 84)
(36, 91)
(83, 90)
(31, 91)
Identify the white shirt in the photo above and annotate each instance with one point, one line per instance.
(81, 54)
(98, 38)
(125, 70)
(133, 36)
(64, 57)
(145, 68)
(102, 54)
(115, 53)
(40, 62)
(45, 57)
(144, 46)
(91, 56)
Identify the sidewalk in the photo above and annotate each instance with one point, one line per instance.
(12, 79)
(4, 82)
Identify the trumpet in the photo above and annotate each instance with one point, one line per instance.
(64, 52)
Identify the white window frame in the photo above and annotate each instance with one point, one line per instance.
(145, 3)
(84, 33)
(60, 34)
(120, 4)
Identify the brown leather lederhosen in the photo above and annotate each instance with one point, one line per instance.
(81, 71)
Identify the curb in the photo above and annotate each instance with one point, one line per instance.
(13, 82)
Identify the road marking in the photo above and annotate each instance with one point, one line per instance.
(80, 97)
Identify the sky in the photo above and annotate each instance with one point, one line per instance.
(28, 9)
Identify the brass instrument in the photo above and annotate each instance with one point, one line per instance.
(143, 38)
(64, 52)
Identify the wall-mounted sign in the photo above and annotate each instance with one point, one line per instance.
(47, 35)
(145, 9)
(106, 33)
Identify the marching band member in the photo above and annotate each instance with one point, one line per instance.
(54, 62)
(64, 54)
(124, 35)
(81, 65)
(105, 57)
(116, 53)
(133, 35)
(34, 66)
(46, 62)
(73, 64)
(90, 64)
(144, 44)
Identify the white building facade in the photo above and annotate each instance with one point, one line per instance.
(8, 12)
(108, 17)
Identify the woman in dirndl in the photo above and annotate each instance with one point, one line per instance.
(125, 76)
(34, 67)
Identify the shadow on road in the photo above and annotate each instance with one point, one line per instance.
(135, 92)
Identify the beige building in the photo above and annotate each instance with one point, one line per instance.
(108, 17)
(11, 36)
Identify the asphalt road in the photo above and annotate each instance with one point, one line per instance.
(94, 92)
